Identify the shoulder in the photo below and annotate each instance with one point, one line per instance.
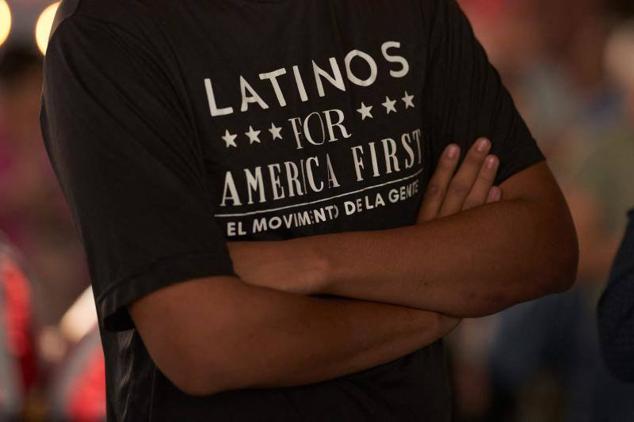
(113, 29)
(137, 17)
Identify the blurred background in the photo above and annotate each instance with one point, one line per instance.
(570, 67)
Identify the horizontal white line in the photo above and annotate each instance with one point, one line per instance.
(244, 214)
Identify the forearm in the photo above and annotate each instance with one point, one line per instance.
(310, 340)
(275, 339)
(470, 264)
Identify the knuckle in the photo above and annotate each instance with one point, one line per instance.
(475, 159)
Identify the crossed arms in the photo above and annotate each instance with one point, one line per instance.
(469, 264)
(470, 255)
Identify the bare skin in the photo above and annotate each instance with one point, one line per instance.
(465, 264)
(284, 339)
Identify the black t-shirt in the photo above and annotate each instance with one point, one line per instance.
(175, 126)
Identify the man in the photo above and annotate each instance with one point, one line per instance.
(616, 311)
(313, 128)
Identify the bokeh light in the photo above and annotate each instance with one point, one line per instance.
(5, 21)
(44, 25)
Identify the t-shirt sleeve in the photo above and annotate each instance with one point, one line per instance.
(465, 98)
(123, 146)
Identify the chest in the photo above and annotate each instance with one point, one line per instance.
(319, 134)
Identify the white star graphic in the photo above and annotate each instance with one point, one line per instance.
(253, 135)
(365, 111)
(276, 132)
(408, 100)
(230, 139)
(390, 105)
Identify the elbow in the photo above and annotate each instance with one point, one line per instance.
(559, 271)
(204, 352)
(194, 375)
(198, 375)
(199, 366)
(551, 269)
(189, 385)
(189, 381)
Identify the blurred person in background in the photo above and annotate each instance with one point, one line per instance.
(550, 53)
(77, 387)
(32, 210)
(34, 216)
(616, 311)
(18, 354)
(545, 361)
(600, 188)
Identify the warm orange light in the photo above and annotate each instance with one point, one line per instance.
(5, 21)
(44, 25)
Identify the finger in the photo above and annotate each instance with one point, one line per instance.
(495, 195)
(438, 184)
(464, 179)
(483, 184)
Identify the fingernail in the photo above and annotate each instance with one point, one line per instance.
(491, 162)
(452, 151)
(496, 194)
(483, 145)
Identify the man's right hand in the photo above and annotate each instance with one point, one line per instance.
(450, 191)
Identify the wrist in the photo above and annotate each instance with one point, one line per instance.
(315, 266)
